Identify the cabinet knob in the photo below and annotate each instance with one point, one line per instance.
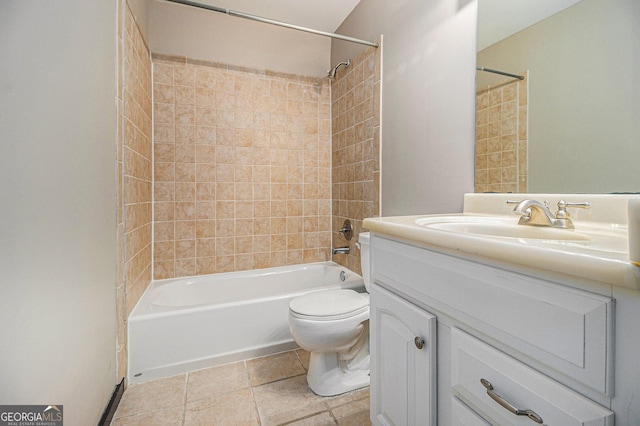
(419, 341)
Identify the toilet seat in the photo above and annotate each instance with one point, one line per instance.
(329, 305)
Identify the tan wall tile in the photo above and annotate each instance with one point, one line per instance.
(501, 127)
(245, 167)
(134, 168)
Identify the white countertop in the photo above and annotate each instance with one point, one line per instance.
(604, 258)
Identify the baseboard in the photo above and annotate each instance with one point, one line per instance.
(110, 411)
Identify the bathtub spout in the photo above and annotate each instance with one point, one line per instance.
(341, 250)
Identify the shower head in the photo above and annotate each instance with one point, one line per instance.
(332, 72)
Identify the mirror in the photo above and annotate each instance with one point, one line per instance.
(573, 124)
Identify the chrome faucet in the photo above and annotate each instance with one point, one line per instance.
(341, 250)
(535, 213)
(345, 232)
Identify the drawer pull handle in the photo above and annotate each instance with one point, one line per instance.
(419, 342)
(506, 404)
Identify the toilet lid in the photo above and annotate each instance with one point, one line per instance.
(329, 303)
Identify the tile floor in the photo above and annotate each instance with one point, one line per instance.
(271, 390)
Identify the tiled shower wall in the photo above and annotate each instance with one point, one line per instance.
(355, 149)
(134, 173)
(501, 137)
(242, 168)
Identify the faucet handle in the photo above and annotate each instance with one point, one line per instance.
(346, 230)
(562, 212)
(515, 203)
(545, 202)
(519, 211)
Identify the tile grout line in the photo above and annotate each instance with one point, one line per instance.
(253, 396)
(310, 416)
(184, 398)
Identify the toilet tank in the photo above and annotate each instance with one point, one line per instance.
(364, 239)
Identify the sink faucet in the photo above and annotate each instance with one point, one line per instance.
(535, 213)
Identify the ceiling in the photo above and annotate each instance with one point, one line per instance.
(497, 19)
(324, 15)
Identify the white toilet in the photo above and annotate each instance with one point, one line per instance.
(334, 327)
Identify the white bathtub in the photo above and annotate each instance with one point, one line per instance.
(186, 324)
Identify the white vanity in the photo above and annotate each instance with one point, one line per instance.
(476, 320)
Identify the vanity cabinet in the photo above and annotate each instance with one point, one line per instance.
(402, 393)
(504, 340)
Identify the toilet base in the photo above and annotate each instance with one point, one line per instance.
(328, 376)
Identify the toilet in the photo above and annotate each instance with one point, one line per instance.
(333, 326)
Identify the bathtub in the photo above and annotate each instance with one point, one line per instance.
(186, 324)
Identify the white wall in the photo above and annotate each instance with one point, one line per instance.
(57, 215)
(428, 99)
(180, 30)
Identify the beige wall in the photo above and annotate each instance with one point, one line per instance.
(355, 111)
(501, 136)
(428, 94)
(58, 215)
(200, 34)
(140, 11)
(241, 168)
(134, 163)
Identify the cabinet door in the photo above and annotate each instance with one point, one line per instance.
(403, 361)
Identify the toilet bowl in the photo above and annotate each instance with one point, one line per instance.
(333, 326)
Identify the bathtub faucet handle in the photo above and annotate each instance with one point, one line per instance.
(346, 230)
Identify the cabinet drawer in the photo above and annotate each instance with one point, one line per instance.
(552, 325)
(465, 416)
(520, 385)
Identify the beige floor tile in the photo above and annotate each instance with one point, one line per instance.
(216, 381)
(345, 398)
(274, 367)
(357, 419)
(304, 357)
(286, 400)
(322, 419)
(353, 414)
(224, 396)
(233, 408)
(154, 395)
(169, 417)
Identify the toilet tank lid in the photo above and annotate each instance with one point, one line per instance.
(329, 303)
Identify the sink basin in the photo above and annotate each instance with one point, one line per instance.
(500, 227)
(586, 239)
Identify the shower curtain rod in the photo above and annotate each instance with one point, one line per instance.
(508, 74)
(272, 22)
